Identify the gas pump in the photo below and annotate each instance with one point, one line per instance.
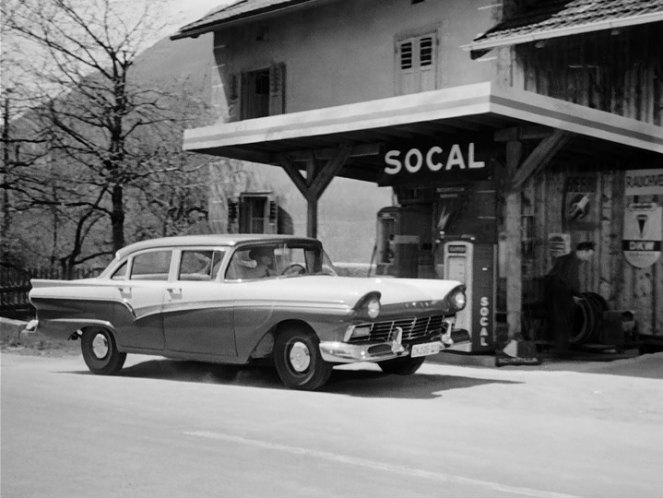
(397, 253)
(473, 263)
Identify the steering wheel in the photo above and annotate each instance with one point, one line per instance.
(294, 269)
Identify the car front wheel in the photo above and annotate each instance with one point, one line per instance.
(402, 366)
(298, 361)
(100, 352)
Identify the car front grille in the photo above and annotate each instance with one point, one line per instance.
(413, 329)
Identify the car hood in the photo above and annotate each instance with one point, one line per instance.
(348, 290)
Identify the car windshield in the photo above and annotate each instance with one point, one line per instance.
(278, 260)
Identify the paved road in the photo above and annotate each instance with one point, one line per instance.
(166, 428)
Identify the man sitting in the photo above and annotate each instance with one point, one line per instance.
(261, 263)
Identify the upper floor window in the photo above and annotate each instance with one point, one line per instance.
(416, 63)
(258, 93)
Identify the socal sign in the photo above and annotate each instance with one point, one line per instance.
(435, 158)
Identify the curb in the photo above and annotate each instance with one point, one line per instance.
(463, 359)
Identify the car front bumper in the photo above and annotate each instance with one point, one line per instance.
(343, 352)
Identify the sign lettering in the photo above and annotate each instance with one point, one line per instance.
(643, 233)
(433, 159)
(644, 182)
(484, 322)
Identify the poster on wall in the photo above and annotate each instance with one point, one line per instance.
(643, 230)
(644, 182)
(559, 244)
(579, 197)
(643, 218)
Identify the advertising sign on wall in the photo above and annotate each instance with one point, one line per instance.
(643, 218)
(435, 163)
(644, 182)
(559, 244)
(642, 234)
(579, 199)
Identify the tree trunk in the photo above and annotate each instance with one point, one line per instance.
(117, 218)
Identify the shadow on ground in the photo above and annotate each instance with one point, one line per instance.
(351, 382)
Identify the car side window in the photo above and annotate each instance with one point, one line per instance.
(121, 272)
(199, 265)
(256, 262)
(153, 265)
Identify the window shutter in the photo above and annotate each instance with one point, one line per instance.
(416, 64)
(426, 51)
(232, 215)
(407, 64)
(277, 89)
(242, 95)
(427, 65)
(406, 61)
(235, 96)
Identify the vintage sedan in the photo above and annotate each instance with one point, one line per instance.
(237, 299)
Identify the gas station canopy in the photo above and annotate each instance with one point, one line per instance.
(469, 111)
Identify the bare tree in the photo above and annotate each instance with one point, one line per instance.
(107, 134)
(93, 110)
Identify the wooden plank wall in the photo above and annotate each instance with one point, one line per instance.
(617, 71)
(621, 72)
(609, 274)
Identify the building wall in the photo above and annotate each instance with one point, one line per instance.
(617, 71)
(609, 273)
(347, 211)
(620, 72)
(344, 51)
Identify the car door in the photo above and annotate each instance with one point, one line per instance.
(140, 285)
(198, 307)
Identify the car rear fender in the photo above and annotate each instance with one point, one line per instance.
(71, 328)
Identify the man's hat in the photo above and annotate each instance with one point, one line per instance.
(586, 246)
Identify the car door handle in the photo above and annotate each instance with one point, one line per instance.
(174, 290)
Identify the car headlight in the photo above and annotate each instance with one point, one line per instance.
(457, 299)
(373, 307)
(369, 305)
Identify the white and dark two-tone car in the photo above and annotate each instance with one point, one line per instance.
(236, 299)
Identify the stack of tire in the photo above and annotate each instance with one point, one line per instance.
(587, 318)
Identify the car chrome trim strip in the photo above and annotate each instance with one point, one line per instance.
(342, 352)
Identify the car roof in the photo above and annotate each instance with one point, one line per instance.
(228, 239)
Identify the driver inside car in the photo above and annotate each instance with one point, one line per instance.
(264, 263)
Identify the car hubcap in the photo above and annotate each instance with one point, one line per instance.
(300, 357)
(100, 346)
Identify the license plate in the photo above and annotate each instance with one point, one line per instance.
(425, 349)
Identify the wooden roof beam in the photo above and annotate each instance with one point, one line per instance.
(540, 157)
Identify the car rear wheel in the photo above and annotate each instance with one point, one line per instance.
(100, 352)
(298, 361)
(402, 366)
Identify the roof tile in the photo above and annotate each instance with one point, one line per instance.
(551, 15)
(234, 11)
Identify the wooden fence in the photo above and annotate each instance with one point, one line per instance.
(15, 285)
